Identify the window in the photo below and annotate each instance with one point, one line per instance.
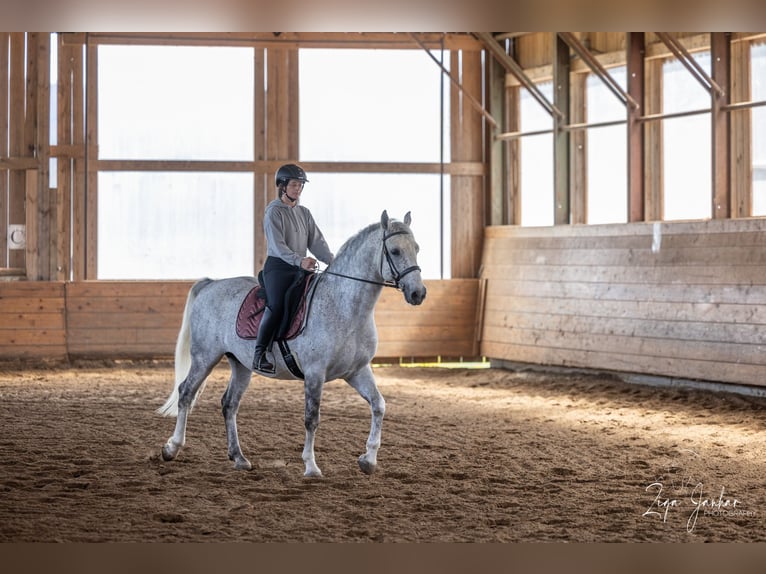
(686, 144)
(607, 152)
(175, 103)
(377, 106)
(536, 163)
(175, 225)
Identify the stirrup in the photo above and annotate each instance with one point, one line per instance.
(263, 365)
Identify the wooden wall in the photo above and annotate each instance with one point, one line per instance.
(140, 320)
(600, 297)
(32, 320)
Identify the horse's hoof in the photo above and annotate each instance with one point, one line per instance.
(243, 464)
(366, 466)
(168, 453)
(313, 473)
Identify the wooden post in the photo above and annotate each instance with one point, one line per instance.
(653, 163)
(579, 149)
(740, 121)
(467, 197)
(89, 173)
(497, 192)
(4, 69)
(635, 73)
(561, 144)
(64, 163)
(720, 48)
(17, 142)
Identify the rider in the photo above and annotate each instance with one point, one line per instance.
(290, 232)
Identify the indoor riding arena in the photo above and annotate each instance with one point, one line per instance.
(589, 362)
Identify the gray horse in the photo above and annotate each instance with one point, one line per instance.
(338, 341)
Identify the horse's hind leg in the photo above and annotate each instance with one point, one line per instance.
(240, 380)
(187, 394)
(364, 382)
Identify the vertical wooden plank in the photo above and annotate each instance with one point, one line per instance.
(561, 144)
(292, 99)
(79, 232)
(32, 223)
(513, 154)
(91, 155)
(64, 164)
(741, 132)
(720, 47)
(42, 136)
(653, 164)
(260, 181)
(4, 72)
(17, 125)
(277, 105)
(498, 178)
(467, 193)
(579, 149)
(38, 205)
(635, 73)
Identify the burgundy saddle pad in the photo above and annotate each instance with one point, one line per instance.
(251, 311)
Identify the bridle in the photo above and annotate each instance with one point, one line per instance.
(398, 275)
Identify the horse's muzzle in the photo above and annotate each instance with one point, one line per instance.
(415, 296)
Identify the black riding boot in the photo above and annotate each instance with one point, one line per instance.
(269, 324)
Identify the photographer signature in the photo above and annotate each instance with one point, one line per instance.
(662, 504)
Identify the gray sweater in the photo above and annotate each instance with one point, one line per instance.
(290, 231)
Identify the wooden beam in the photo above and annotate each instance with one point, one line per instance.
(740, 122)
(33, 223)
(288, 40)
(497, 192)
(17, 139)
(599, 70)
(260, 180)
(720, 142)
(653, 136)
(471, 98)
(41, 257)
(91, 154)
(516, 70)
(578, 141)
(635, 75)
(4, 72)
(64, 164)
(561, 143)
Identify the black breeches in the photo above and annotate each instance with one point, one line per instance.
(278, 276)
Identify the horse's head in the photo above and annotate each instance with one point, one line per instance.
(400, 264)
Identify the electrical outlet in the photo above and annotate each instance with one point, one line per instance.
(17, 236)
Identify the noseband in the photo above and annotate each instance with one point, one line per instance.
(391, 266)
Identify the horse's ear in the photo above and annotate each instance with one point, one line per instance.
(384, 219)
(407, 219)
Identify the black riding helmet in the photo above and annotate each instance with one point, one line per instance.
(290, 171)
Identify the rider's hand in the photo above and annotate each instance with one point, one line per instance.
(309, 264)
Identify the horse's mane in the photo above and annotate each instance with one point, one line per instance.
(352, 243)
(357, 239)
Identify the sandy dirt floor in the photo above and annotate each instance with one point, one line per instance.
(468, 455)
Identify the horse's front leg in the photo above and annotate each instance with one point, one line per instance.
(313, 392)
(240, 380)
(364, 382)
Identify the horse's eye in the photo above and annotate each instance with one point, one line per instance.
(396, 252)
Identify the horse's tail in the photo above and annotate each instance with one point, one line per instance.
(183, 351)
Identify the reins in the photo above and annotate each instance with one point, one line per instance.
(391, 265)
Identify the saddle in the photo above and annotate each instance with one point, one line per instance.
(297, 303)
